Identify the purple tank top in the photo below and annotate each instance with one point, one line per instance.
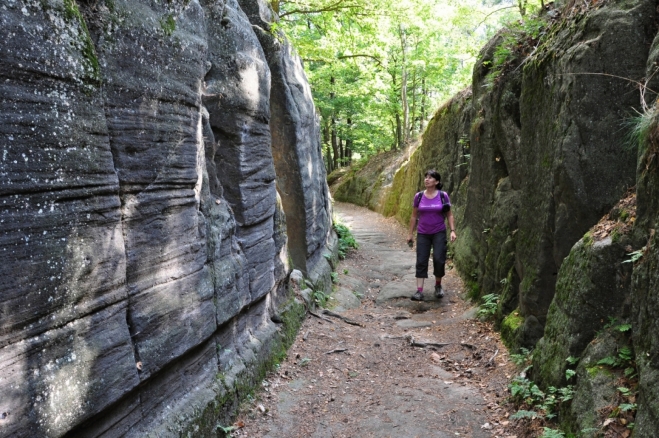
(431, 219)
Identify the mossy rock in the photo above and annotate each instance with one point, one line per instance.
(245, 376)
(362, 182)
(466, 261)
(510, 329)
(593, 286)
(645, 293)
(508, 300)
(595, 391)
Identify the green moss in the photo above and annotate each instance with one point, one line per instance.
(528, 280)
(588, 239)
(595, 370)
(230, 394)
(72, 13)
(508, 300)
(391, 203)
(168, 25)
(546, 162)
(510, 326)
(466, 261)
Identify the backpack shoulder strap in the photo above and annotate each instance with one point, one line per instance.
(417, 199)
(442, 196)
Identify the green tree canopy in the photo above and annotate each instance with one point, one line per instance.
(378, 68)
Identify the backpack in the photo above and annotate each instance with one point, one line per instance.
(446, 206)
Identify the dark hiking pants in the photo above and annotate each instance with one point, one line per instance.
(424, 242)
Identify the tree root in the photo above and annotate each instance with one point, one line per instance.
(425, 343)
(342, 318)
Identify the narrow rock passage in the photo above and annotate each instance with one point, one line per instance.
(341, 380)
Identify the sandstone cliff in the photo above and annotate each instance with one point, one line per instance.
(538, 162)
(160, 177)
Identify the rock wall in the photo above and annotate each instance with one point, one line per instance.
(645, 281)
(367, 183)
(147, 213)
(387, 182)
(535, 155)
(558, 206)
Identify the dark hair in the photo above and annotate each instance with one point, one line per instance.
(434, 174)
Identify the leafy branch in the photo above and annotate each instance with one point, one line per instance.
(307, 9)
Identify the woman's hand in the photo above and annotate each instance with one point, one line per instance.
(453, 236)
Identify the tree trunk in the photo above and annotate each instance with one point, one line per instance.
(335, 147)
(423, 102)
(399, 132)
(403, 86)
(342, 153)
(349, 142)
(327, 146)
(413, 109)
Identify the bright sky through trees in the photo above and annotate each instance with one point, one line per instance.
(379, 68)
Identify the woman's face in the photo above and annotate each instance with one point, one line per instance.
(430, 182)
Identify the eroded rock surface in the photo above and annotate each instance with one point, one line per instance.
(548, 156)
(143, 241)
(534, 156)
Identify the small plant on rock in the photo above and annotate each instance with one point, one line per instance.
(635, 256)
(523, 358)
(488, 306)
(534, 402)
(552, 433)
(320, 298)
(346, 239)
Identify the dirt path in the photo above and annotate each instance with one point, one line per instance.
(341, 380)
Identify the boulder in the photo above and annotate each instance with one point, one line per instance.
(593, 287)
(144, 248)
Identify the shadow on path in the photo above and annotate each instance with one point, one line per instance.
(341, 380)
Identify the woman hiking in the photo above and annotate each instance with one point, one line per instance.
(432, 207)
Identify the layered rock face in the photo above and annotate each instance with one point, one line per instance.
(535, 156)
(555, 144)
(547, 214)
(146, 212)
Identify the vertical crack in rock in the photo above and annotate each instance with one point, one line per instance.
(296, 146)
(237, 99)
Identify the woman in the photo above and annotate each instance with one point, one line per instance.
(432, 207)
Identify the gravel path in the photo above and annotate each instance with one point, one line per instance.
(341, 380)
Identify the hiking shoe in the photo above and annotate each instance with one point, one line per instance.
(418, 296)
(439, 292)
